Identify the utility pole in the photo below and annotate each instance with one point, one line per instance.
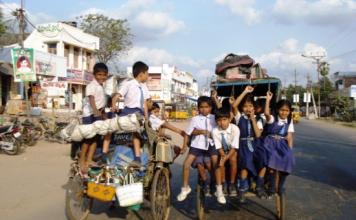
(317, 58)
(21, 18)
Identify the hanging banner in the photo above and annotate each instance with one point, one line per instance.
(23, 64)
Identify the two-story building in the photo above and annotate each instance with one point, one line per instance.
(68, 41)
(166, 83)
(344, 81)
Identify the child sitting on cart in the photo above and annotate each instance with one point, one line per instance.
(226, 139)
(250, 128)
(158, 124)
(200, 127)
(279, 141)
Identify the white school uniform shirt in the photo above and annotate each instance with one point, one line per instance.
(281, 122)
(201, 122)
(156, 122)
(231, 134)
(239, 115)
(94, 89)
(131, 92)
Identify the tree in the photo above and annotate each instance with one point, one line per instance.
(114, 34)
(2, 24)
(291, 90)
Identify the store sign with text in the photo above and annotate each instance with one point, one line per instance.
(23, 64)
(55, 88)
(74, 75)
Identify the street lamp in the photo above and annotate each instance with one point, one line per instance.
(317, 58)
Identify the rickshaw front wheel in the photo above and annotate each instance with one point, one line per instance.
(160, 195)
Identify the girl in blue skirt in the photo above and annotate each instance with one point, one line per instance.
(279, 141)
(250, 128)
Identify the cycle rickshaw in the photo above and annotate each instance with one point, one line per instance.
(109, 182)
(234, 88)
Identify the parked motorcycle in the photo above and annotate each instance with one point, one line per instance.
(10, 138)
(31, 133)
(52, 129)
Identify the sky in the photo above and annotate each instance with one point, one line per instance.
(194, 35)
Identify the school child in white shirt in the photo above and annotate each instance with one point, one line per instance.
(226, 138)
(158, 124)
(200, 128)
(93, 110)
(279, 142)
(250, 129)
(135, 94)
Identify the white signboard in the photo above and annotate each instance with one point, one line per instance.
(296, 98)
(55, 88)
(307, 97)
(353, 91)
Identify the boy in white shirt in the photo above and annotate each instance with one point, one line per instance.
(226, 138)
(158, 124)
(135, 94)
(93, 110)
(200, 128)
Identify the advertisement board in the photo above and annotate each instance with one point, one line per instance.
(23, 64)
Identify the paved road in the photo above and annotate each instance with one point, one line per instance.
(322, 186)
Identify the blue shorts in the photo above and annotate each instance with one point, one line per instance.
(128, 111)
(202, 156)
(90, 119)
(110, 115)
(87, 121)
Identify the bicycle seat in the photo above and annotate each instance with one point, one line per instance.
(4, 129)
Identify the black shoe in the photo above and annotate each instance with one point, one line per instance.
(225, 189)
(232, 189)
(261, 193)
(241, 196)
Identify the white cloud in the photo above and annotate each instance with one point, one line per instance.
(155, 56)
(282, 61)
(320, 12)
(159, 21)
(145, 23)
(242, 8)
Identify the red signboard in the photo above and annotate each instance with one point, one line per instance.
(74, 75)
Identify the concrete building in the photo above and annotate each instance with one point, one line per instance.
(168, 84)
(344, 81)
(70, 42)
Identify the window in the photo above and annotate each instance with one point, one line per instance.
(89, 61)
(52, 48)
(66, 53)
(76, 57)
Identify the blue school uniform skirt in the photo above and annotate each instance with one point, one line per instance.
(246, 157)
(280, 156)
(260, 154)
(128, 111)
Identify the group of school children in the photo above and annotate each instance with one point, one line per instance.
(244, 135)
(238, 132)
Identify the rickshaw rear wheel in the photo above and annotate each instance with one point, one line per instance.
(160, 195)
(77, 203)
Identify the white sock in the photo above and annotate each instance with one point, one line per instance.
(219, 188)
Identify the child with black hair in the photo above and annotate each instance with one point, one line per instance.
(250, 128)
(158, 124)
(135, 94)
(200, 128)
(93, 110)
(226, 139)
(279, 141)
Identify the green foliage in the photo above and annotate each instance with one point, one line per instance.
(291, 90)
(342, 107)
(2, 24)
(324, 68)
(114, 34)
